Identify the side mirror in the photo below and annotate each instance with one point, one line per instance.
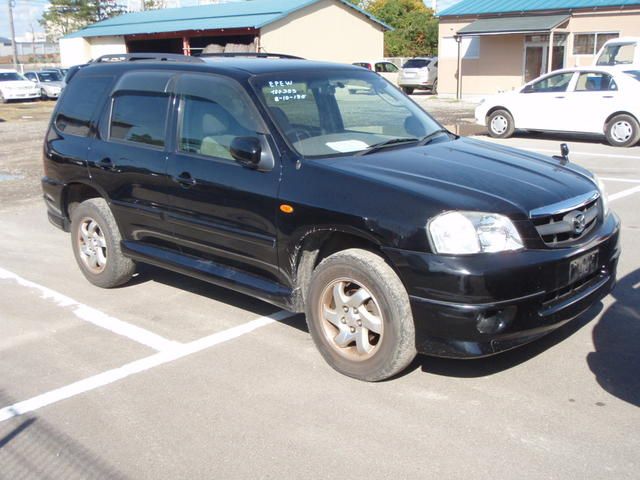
(247, 151)
(527, 89)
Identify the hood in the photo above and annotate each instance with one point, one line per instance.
(17, 84)
(468, 174)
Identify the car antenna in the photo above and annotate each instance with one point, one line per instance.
(564, 154)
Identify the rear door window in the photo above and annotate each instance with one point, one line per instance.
(139, 118)
(595, 82)
(81, 98)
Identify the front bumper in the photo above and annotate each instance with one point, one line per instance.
(52, 192)
(453, 297)
(52, 93)
(20, 94)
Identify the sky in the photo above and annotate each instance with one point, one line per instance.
(26, 14)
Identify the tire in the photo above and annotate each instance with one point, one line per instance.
(434, 88)
(43, 94)
(622, 131)
(407, 90)
(2, 99)
(95, 239)
(500, 124)
(342, 337)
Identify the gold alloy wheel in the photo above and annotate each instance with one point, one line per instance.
(351, 319)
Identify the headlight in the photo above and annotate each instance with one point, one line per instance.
(603, 194)
(473, 232)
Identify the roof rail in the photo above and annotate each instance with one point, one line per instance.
(134, 57)
(252, 55)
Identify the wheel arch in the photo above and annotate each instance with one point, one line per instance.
(319, 243)
(77, 192)
(620, 112)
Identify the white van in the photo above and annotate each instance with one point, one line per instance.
(620, 52)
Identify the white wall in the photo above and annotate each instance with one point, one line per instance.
(74, 51)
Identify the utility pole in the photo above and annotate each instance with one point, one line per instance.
(13, 35)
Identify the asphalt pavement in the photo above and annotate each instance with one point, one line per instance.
(169, 377)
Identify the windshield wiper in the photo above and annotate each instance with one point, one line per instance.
(387, 143)
(427, 138)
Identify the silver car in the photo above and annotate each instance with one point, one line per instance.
(49, 83)
(419, 73)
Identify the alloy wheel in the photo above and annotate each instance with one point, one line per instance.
(92, 245)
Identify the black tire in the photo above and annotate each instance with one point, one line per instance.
(117, 269)
(622, 131)
(43, 94)
(434, 88)
(500, 124)
(388, 303)
(2, 99)
(407, 90)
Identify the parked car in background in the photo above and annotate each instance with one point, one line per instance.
(420, 73)
(620, 52)
(61, 71)
(13, 86)
(49, 83)
(383, 68)
(593, 100)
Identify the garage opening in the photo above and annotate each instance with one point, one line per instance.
(160, 45)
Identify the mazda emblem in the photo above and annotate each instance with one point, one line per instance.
(579, 223)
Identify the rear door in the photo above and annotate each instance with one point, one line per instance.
(388, 70)
(220, 210)
(594, 97)
(128, 157)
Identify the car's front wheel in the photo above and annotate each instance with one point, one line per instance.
(96, 245)
(434, 88)
(407, 90)
(500, 124)
(622, 131)
(359, 316)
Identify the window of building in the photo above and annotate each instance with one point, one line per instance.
(590, 43)
(139, 118)
(78, 104)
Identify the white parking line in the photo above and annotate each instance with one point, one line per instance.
(623, 180)
(93, 316)
(174, 353)
(624, 193)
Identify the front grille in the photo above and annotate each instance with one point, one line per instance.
(568, 224)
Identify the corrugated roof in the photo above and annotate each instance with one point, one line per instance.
(246, 14)
(480, 7)
(504, 25)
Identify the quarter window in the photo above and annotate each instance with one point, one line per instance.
(79, 102)
(139, 118)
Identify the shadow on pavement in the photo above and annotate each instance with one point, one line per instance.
(487, 366)
(31, 448)
(616, 337)
(559, 137)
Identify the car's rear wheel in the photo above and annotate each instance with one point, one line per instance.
(96, 245)
(434, 88)
(500, 124)
(359, 316)
(622, 131)
(407, 90)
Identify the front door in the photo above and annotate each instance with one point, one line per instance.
(220, 210)
(534, 61)
(543, 105)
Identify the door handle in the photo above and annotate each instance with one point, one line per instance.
(559, 96)
(607, 96)
(106, 164)
(185, 179)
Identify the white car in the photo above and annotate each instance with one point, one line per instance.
(419, 73)
(622, 53)
(382, 67)
(593, 100)
(14, 86)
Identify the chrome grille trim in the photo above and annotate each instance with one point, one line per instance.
(564, 206)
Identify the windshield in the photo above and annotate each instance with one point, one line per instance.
(416, 63)
(329, 113)
(616, 54)
(10, 76)
(634, 73)
(49, 77)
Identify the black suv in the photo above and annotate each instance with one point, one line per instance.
(272, 178)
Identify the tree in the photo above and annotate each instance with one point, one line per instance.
(415, 28)
(63, 17)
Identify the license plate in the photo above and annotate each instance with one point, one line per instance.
(583, 266)
(409, 74)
